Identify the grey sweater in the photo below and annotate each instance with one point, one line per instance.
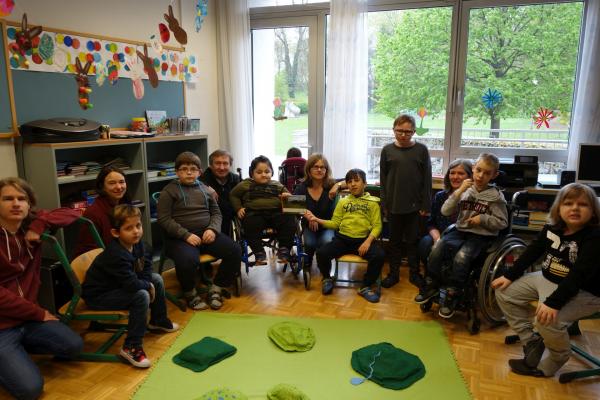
(489, 204)
(184, 209)
(405, 175)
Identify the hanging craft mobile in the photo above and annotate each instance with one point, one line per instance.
(201, 12)
(6, 7)
(84, 89)
(149, 66)
(543, 117)
(491, 99)
(422, 112)
(24, 38)
(177, 30)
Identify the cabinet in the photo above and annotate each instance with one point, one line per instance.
(533, 207)
(38, 161)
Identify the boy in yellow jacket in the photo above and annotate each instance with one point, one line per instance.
(357, 222)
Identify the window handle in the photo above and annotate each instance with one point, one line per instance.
(459, 98)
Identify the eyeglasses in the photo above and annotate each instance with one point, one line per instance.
(319, 167)
(187, 170)
(403, 132)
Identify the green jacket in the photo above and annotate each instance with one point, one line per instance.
(252, 196)
(356, 217)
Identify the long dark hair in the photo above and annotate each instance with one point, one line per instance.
(258, 160)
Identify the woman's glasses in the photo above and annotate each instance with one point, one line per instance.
(318, 167)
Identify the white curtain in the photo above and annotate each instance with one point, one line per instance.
(586, 110)
(345, 124)
(235, 85)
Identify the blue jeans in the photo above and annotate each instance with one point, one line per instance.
(462, 248)
(314, 240)
(19, 375)
(424, 249)
(137, 303)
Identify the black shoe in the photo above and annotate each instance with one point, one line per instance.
(533, 351)
(426, 293)
(519, 366)
(390, 280)
(416, 279)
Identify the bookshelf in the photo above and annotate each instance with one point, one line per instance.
(534, 204)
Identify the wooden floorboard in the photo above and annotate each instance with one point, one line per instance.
(482, 358)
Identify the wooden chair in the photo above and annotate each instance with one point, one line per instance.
(351, 259)
(76, 309)
(569, 376)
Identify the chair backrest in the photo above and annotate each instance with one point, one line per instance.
(82, 263)
(291, 171)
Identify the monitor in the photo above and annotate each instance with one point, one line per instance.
(587, 163)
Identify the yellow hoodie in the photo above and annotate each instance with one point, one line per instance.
(356, 217)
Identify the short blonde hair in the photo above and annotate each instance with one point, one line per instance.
(490, 159)
(573, 191)
(120, 213)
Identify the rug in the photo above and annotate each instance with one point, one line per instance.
(323, 373)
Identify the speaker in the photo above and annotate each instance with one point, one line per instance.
(566, 177)
(55, 288)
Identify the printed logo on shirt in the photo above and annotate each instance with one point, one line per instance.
(262, 191)
(477, 206)
(555, 267)
(357, 207)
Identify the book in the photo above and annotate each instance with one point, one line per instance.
(157, 121)
(294, 204)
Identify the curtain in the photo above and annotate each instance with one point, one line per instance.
(586, 110)
(345, 120)
(234, 77)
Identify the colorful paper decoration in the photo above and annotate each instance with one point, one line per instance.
(421, 112)
(165, 35)
(491, 99)
(177, 30)
(156, 45)
(23, 43)
(279, 110)
(543, 117)
(83, 84)
(136, 72)
(201, 12)
(101, 73)
(149, 66)
(6, 7)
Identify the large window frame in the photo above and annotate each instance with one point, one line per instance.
(456, 74)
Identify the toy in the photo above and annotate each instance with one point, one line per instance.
(177, 30)
(84, 84)
(148, 66)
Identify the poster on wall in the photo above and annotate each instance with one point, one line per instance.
(57, 52)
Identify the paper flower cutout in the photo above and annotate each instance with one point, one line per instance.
(201, 12)
(491, 98)
(543, 117)
(6, 7)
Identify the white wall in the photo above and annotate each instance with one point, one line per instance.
(135, 20)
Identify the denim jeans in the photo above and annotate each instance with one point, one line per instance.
(314, 240)
(137, 303)
(424, 249)
(19, 375)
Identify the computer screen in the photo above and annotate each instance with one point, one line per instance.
(587, 164)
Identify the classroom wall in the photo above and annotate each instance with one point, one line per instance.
(136, 20)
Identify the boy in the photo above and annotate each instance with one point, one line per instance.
(482, 215)
(219, 176)
(24, 325)
(405, 175)
(121, 277)
(357, 220)
(191, 219)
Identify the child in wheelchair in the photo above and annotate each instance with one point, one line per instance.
(357, 222)
(567, 288)
(121, 277)
(482, 214)
(257, 203)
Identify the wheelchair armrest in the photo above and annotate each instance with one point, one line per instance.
(450, 228)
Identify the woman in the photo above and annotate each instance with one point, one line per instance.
(112, 188)
(457, 172)
(317, 187)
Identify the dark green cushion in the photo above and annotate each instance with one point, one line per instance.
(203, 354)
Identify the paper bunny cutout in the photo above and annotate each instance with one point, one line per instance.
(136, 72)
(177, 30)
(84, 89)
(23, 41)
(148, 66)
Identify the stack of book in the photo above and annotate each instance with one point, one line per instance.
(537, 219)
(164, 168)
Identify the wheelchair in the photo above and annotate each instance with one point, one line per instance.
(298, 261)
(478, 297)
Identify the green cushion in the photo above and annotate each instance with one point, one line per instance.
(201, 355)
(392, 368)
(292, 336)
(286, 392)
(223, 394)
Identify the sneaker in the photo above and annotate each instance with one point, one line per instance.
(390, 280)
(327, 286)
(136, 356)
(519, 366)
(260, 258)
(196, 303)
(167, 326)
(283, 255)
(533, 351)
(369, 294)
(448, 300)
(426, 293)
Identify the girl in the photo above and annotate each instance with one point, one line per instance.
(316, 187)
(256, 201)
(567, 288)
(457, 172)
(112, 190)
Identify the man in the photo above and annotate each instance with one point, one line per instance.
(219, 177)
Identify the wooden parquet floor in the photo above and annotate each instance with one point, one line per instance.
(482, 358)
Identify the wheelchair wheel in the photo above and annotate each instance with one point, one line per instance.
(474, 325)
(237, 286)
(426, 307)
(494, 266)
(307, 277)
